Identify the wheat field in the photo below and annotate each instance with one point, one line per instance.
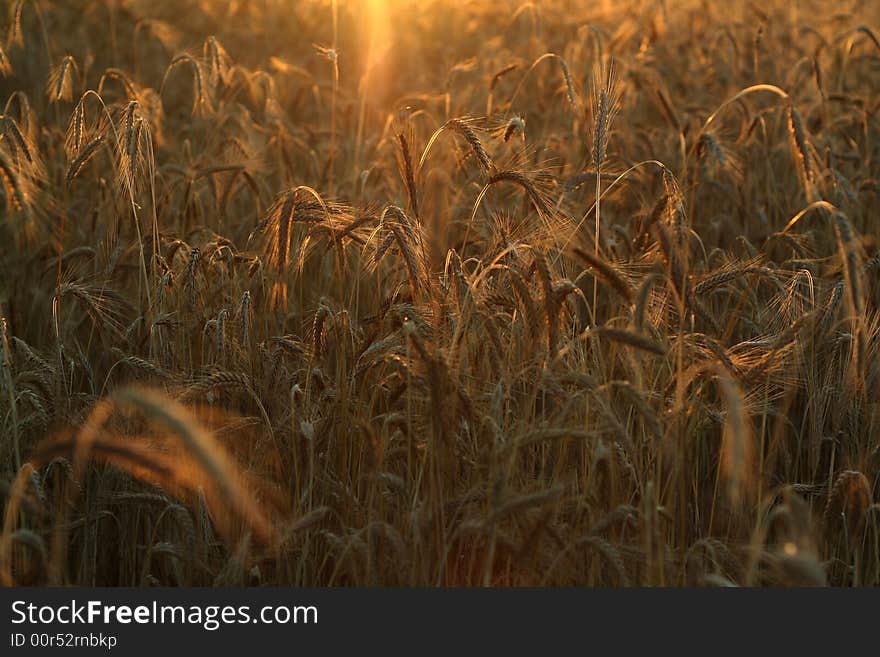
(477, 293)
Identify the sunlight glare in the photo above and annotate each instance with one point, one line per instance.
(379, 22)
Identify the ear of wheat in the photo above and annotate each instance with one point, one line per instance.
(60, 84)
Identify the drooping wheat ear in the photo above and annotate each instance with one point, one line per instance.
(642, 240)
(18, 100)
(408, 238)
(462, 127)
(800, 150)
(737, 449)
(60, 84)
(848, 247)
(566, 74)
(106, 307)
(120, 76)
(847, 502)
(279, 227)
(167, 35)
(525, 501)
(458, 282)
(675, 214)
(674, 265)
(223, 379)
(76, 130)
(279, 255)
(620, 515)
(219, 62)
(726, 274)
(83, 157)
(32, 356)
(217, 380)
(637, 340)
(130, 155)
(405, 164)
(531, 315)
(17, 189)
(320, 319)
(642, 297)
(778, 348)
(831, 305)
(607, 271)
(500, 73)
(709, 144)
(538, 199)
(711, 347)
(609, 553)
(22, 148)
(244, 310)
(310, 519)
(201, 100)
(143, 365)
